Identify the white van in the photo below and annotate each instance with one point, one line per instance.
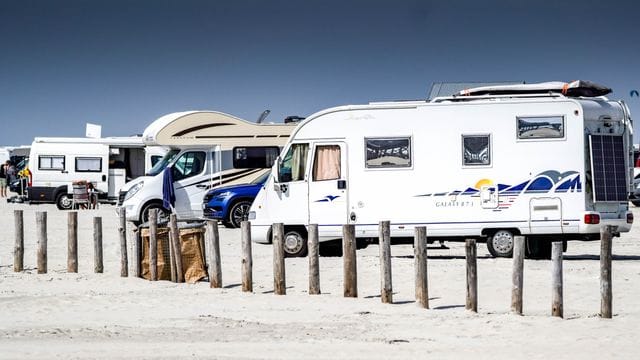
(490, 164)
(108, 163)
(207, 149)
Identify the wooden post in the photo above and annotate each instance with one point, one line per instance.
(18, 251)
(72, 242)
(97, 245)
(153, 244)
(122, 229)
(517, 278)
(279, 279)
(606, 292)
(41, 225)
(247, 261)
(137, 250)
(314, 260)
(177, 247)
(172, 260)
(420, 266)
(472, 275)
(350, 267)
(384, 244)
(556, 279)
(213, 241)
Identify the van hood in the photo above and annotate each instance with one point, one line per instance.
(234, 187)
(133, 182)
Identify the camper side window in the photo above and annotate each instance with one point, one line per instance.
(50, 162)
(254, 157)
(294, 163)
(326, 163)
(540, 127)
(189, 164)
(388, 152)
(476, 150)
(88, 164)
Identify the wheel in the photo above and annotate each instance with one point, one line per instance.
(238, 213)
(64, 201)
(539, 249)
(162, 212)
(636, 202)
(295, 245)
(228, 225)
(500, 244)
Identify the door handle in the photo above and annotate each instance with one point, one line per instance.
(342, 184)
(201, 186)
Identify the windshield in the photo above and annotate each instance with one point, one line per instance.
(261, 179)
(160, 165)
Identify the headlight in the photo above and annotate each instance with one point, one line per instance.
(134, 189)
(223, 194)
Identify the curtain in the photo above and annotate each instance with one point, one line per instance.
(298, 161)
(327, 163)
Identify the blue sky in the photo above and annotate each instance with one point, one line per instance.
(123, 64)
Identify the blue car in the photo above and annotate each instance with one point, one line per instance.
(231, 204)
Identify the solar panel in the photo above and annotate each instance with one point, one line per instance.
(609, 171)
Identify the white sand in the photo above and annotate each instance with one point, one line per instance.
(87, 315)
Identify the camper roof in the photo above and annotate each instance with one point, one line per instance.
(124, 141)
(213, 128)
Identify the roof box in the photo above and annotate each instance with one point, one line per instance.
(574, 89)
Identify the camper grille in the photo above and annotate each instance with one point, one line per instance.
(608, 165)
(121, 197)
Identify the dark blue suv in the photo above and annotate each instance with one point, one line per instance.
(231, 204)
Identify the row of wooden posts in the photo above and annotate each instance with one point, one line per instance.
(349, 260)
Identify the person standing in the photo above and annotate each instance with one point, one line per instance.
(3, 180)
(11, 175)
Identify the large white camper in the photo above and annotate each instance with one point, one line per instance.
(108, 163)
(549, 161)
(207, 149)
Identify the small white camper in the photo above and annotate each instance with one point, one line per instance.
(207, 149)
(548, 161)
(108, 163)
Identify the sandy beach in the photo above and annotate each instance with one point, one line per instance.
(87, 315)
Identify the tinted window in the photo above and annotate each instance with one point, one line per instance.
(388, 152)
(547, 127)
(294, 163)
(88, 164)
(475, 150)
(255, 157)
(189, 164)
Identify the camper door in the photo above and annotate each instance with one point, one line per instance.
(292, 188)
(328, 187)
(191, 177)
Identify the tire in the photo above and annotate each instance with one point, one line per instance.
(144, 215)
(64, 201)
(500, 244)
(238, 213)
(228, 225)
(294, 244)
(538, 249)
(636, 203)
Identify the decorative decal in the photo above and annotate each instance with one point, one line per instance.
(328, 198)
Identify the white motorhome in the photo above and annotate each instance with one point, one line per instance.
(489, 164)
(207, 149)
(108, 163)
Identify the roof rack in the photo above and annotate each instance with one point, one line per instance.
(461, 98)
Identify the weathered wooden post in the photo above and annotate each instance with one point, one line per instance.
(384, 242)
(517, 278)
(72, 242)
(420, 266)
(472, 275)
(97, 245)
(177, 247)
(41, 225)
(350, 266)
(213, 241)
(122, 230)
(136, 252)
(314, 260)
(18, 251)
(606, 292)
(279, 279)
(153, 244)
(556, 279)
(247, 261)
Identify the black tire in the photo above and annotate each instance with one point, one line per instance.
(294, 244)
(636, 203)
(500, 243)
(64, 201)
(538, 249)
(144, 215)
(238, 213)
(228, 225)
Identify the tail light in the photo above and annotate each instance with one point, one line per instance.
(629, 218)
(592, 219)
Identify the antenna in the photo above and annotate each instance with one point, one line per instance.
(263, 116)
